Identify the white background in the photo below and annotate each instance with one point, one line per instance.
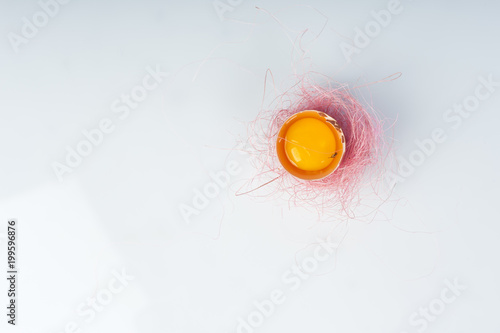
(119, 209)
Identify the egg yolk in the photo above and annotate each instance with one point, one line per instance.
(310, 144)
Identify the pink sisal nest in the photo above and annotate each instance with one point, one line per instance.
(361, 166)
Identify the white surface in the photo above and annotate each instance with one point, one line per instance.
(120, 207)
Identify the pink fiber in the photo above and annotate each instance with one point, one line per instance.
(361, 165)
